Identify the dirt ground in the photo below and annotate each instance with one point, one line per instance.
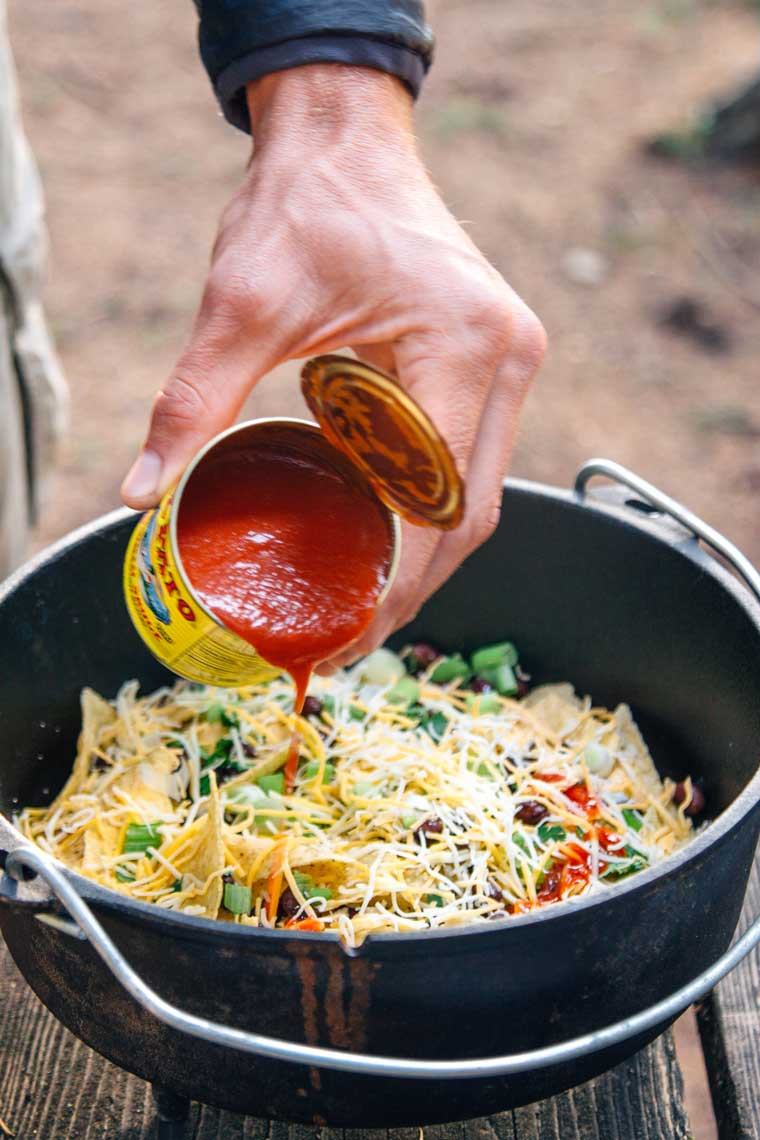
(532, 123)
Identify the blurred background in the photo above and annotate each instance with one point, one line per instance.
(535, 123)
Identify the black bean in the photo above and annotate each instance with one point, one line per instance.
(289, 905)
(478, 685)
(697, 804)
(228, 877)
(493, 892)
(522, 689)
(248, 750)
(312, 706)
(551, 882)
(531, 812)
(432, 826)
(421, 656)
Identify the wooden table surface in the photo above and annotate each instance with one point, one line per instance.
(52, 1087)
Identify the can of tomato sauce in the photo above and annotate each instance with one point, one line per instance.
(282, 537)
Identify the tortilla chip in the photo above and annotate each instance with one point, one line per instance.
(556, 706)
(246, 850)
(97, 714)
(209, 857)
(99, 843)
(127, 737)
(151, 784)
(635, 750)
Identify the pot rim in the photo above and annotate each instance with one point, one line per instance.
(207, 929)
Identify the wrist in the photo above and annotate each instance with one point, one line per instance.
(330, 103)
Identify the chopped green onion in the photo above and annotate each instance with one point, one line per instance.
(139, 837)
(483, 703)
(250, 795)
(312, 768)
(124, 875)
(304, 882)
(450, 669)
(521, 842)
(598, 759)
(177, 885)
(491, 656)
(633, 819)
(274, 782)
(204, 786)
(174, 744)
(502, 678)
(381, 667)
(542, 874)
(409, 820)
(355, 713)
(328, 703)
(551, 832)
(237, 898)
(482, 769)
(306, 886)
(433, 900)
(579, 831)
(435, 725)
(405, 692)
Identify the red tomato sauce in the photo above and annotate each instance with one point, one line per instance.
(585, 801)
(285, 546)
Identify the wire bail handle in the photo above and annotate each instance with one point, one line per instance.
(662, 502)
(367, 1064)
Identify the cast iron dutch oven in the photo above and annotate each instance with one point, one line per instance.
(606, 590)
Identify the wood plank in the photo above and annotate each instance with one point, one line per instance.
(729, 1024)
(54, 1087)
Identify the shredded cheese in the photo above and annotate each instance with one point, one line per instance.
(391, 826)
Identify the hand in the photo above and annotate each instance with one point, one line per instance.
(337, 237)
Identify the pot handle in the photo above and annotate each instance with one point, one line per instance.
(25, 859)
(662, 502)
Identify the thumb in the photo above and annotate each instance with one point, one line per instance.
(222, 362)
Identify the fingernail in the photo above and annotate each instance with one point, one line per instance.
(141, 486)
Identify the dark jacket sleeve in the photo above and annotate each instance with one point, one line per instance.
(241, 40)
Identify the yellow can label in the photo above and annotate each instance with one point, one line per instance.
(169, 619)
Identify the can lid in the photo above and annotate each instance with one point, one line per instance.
(367, 415)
